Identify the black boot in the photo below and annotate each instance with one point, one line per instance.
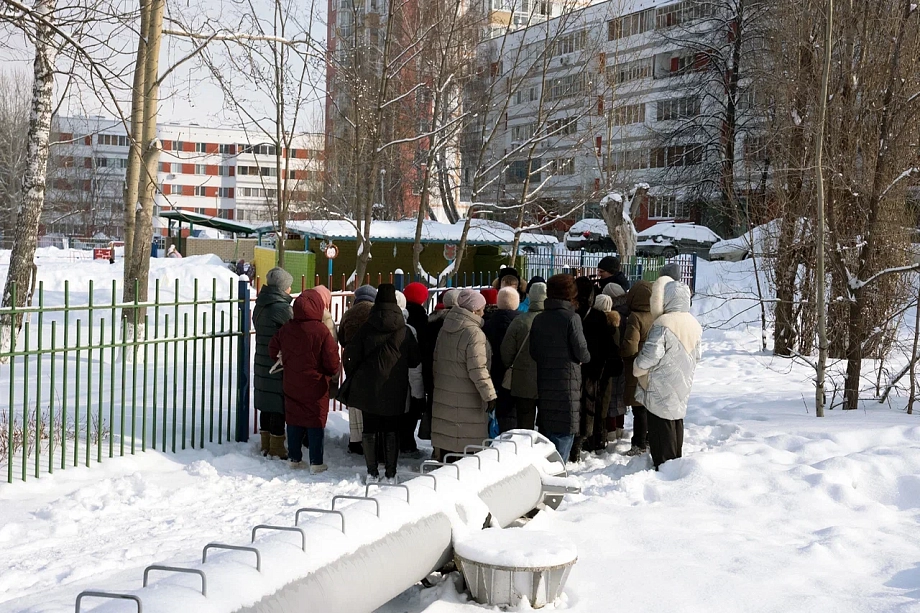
(391, 445)
(356, 448)
(370, 454)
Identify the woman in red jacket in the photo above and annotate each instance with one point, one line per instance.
(310, 357)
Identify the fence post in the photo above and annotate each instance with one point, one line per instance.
(693, 263)
(242, 365)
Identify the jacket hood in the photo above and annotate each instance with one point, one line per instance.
(639, 297)
(270, 295)
(536, 305)
(309, 306)
(613, 318)
(459, 318)
(656, 307)
(386, 317)
(676, 297)
(555, 304)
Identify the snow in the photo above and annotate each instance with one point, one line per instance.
(770, 509)
(680, 231)
(481, 231)
(517, 547)
(594, 226)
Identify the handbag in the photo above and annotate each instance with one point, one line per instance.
(345, 386)
(506, 380)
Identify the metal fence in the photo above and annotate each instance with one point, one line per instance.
(548, 262)
(77, 385)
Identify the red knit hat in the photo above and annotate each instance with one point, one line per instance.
(416, 293)
(490, 294)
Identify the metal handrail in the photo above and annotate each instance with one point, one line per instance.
(316, 510)
(177, 569)
(303, 535)
(436, 464)
(368, 487)
(204, 552)
(111, 595)
(342, 497)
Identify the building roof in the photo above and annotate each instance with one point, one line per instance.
(218, 223)
(482, 232)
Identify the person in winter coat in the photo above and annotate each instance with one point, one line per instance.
(525, 303)
(172, 252)
(416, 298)
(327, 309)
(559, 348)
(608, 271)
(495, 330)
(665, 369)
(638, 299)
(613, 370)
(435, 323)
(616, 406)
(272, 310)
(491, 296)
(670, 270)
(463, 390)
(596, 331)
(352, 320)
(380, 357)
(515, 352)
(310, 357)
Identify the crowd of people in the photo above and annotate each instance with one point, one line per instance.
(566, 356)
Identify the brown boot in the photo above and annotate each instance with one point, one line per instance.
(266, 441)
(276, 448)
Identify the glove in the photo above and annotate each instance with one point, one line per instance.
(490, 406)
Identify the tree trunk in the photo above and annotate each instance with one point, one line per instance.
(25, 239)
(913, 359)
(133, 172)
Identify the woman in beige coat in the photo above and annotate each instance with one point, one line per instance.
(463, 390)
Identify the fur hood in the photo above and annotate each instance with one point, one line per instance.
(656, 304)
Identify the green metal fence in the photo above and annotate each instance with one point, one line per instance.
(88, 377)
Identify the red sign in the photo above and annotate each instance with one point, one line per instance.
(102, 254)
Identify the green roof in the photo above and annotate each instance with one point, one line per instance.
(218, 223)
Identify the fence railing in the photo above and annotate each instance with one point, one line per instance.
(87, 376)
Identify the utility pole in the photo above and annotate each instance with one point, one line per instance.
(820, 276)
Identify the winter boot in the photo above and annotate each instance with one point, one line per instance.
(266, 441)
(635, 451)
(276, 448)
(391, 446)
(356, 448)
(316, 469)
(370, 454)
(575, 454)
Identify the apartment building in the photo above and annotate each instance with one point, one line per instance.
(604, 98)
(221, 172)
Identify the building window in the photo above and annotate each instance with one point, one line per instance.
(563, 126)
(517, 171)
(264, 149)
(631, 71)
(629, 114)
(223, 171)
(567, 86)
(563, 166)
(632, 159)
(755, 149)
(225, 149)
(175, 190)
(570, 43)
(225, 192)
(201, 148)
(113, 140)
(522, 133)
(200, 169)
(177, 145)
(678, 108)
(175, 168)
(636, 23)
(667, 207)
(681, 12)
(200, 190)
(676, 156)
(102, 162)
(268, 171)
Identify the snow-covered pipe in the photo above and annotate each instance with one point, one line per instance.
(362, 552)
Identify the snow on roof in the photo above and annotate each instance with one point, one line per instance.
(680, 231)
(594, 226)
(482, 231)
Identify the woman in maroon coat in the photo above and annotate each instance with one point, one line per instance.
(309, 356)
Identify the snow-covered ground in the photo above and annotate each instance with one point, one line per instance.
(770, 509)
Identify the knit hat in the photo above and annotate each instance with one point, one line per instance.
(506, 271)
(670, 270)
(325, 294)
(537, 292)
(416, 293)
(365, 293)
(508, 299)
(489, 295)
(614, 290)
(280, 278)
(386, 294)
(471, 300)
(610, 263)
(603, 303)
(400, 299)
(536, 279)
(561, 287)
(449, 298)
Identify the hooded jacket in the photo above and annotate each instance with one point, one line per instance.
(515, 352)
(558, 346)
(310, 357)
(670, 355)
(462, 385)
(495, 330)
(272, 310)
(352, 320)
(640, 321)
(380, 357)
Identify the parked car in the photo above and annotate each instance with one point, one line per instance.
(760, 240)
(669, 239)
(590, 235)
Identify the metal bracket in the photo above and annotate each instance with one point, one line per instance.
(368, 487)
(376, 502)
(411, 475)
(436, 464)
(505, 437)
(204, 552)
(484, 448)
(176, 569)
(112, 595)
(460, 456)
(315, 510)
(503, 440)
(303, 536)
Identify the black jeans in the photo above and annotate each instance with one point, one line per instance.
(665, 439)
(315, 438)
(385, 428)
(272, 422)
(526, 409)
(640, 427)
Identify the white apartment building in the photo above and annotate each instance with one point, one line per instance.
(221, 172)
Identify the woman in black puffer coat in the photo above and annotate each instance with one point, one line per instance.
(558, 346)
(597, 335)
(272, 310)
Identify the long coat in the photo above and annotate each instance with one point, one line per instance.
(379, 358)
(495, 330)
(637, 328)
(558, 346)
(516, 353)
(310, 357)
(352, 320)
(272, 310)
(462, 385)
